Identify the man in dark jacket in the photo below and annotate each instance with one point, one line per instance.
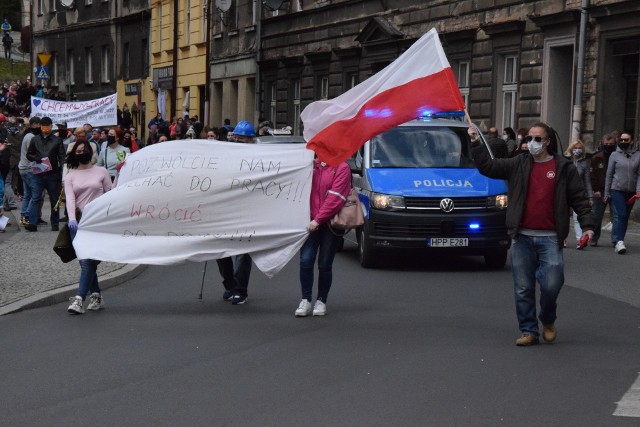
(47, 152)
(542, 189)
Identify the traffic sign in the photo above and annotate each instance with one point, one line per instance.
(44, 58)
(42, 73)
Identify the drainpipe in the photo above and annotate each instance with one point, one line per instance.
(174, 93)
(207, 73)
(258, 84)
(576, 121)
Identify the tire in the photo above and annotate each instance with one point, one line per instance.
(496, 260)
(368, 258)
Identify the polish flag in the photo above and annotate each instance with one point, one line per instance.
(418, 82)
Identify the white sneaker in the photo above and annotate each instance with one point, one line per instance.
(620, 248)
(95, 302)
(320, 309)
(76, 305)
(304, 309)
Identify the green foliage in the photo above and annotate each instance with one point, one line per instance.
(20, 70)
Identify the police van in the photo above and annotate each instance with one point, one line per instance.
(420, 191)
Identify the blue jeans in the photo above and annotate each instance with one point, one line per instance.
(536, 259)
(88, 275)
(321, 244)
(1, 192)
(26, 193)
(620, 212)
(597, 212)
(51, 182)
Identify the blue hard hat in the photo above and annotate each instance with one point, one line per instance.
(244, 128)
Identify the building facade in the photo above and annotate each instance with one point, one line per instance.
(517, 62)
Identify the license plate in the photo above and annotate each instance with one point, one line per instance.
(447, 242)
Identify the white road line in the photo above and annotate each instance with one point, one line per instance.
(629, 405)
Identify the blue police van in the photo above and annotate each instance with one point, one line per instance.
(421, 191)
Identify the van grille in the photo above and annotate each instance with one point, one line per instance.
(434, 202)
(385, 229)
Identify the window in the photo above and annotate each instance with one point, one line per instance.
(463, 76)
(296, 5)
(160, 27)
(88, 2)
(104, 69)
(52, 6)
(88, 61)
(352, 81)
(145, 57)
(40, 7)
(53, 72)
(296, 107)
(187, 23)
(324, 88)
(509, 90)
(70, 68)
(254, 12)
(272, 103)
(126, 61)
(204, 22)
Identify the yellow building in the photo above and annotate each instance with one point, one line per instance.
(177, 76)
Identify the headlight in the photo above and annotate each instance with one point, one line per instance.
(386, 202)
(501, 201)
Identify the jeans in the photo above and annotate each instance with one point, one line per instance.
(52, 183)
(235, 278)
(323, 245)
(536, 259)
(88, 274)
(1, 192)
(27, 178)
(597, 212)
(620, 212)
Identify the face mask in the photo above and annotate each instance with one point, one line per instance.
(536, 148)
(609, 148)
(111, 139)
(505, 136)
(83, 158)
(45, 129)
(35, 131)
(623, 145)
(577, 152)
(520, 138)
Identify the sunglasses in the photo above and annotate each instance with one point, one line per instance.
(530, 138)
(625, 139)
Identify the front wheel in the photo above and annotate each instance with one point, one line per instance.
(496, 260)
(368, 258)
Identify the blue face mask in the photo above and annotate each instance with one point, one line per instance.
(577, 152)
(536, 148)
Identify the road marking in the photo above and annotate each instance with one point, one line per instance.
(629, 405)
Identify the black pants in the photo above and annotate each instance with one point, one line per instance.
(235, 278)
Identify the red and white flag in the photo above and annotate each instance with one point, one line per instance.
(419, 82)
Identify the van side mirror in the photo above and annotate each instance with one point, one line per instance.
(351, 161)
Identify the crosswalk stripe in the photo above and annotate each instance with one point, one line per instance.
(629, 405)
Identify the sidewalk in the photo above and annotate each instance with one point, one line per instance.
(32, 275)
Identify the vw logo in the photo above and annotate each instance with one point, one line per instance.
(446, 205)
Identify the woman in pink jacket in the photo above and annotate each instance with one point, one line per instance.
(329, 190)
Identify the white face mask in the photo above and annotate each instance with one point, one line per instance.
(536, 148)
(505, 136)
(577, 152)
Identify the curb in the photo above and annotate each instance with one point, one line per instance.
(56, 296)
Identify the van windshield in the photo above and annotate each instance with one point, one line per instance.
(421, 147)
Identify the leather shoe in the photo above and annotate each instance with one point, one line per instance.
(55, 228)
(31, 227)
(549, 333)
(526, 340)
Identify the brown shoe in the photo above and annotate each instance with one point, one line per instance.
(526, 340)
(549, 333)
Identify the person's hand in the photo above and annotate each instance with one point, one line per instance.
(591, 202)
(41, 166)
(313, 226)
(605, 199)
(73, 225)
(3, 145)
(588, 233)
(597, 194)
(473, 134)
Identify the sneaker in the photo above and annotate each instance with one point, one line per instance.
(24, 221)
(620, 248)
(227, 295)
(320, 309)
(564, 244)
(549, 332)
(238, 299)
(31, 227)
(76, 305)
(304, 309)
(95, 302)
(42, 222)
(526, 340)
(55, 228)
(593, 243)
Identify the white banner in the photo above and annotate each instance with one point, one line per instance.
(97, 112)
(199, 200)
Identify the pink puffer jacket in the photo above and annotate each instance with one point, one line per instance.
(329, 190)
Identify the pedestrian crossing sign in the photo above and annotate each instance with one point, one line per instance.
(42, 73)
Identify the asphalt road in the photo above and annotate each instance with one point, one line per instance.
(421, 342)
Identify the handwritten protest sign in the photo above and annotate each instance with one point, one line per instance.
(98, 112)
(199, 200)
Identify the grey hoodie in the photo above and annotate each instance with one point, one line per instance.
(623, 172)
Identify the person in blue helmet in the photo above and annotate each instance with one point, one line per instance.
(235, 271)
